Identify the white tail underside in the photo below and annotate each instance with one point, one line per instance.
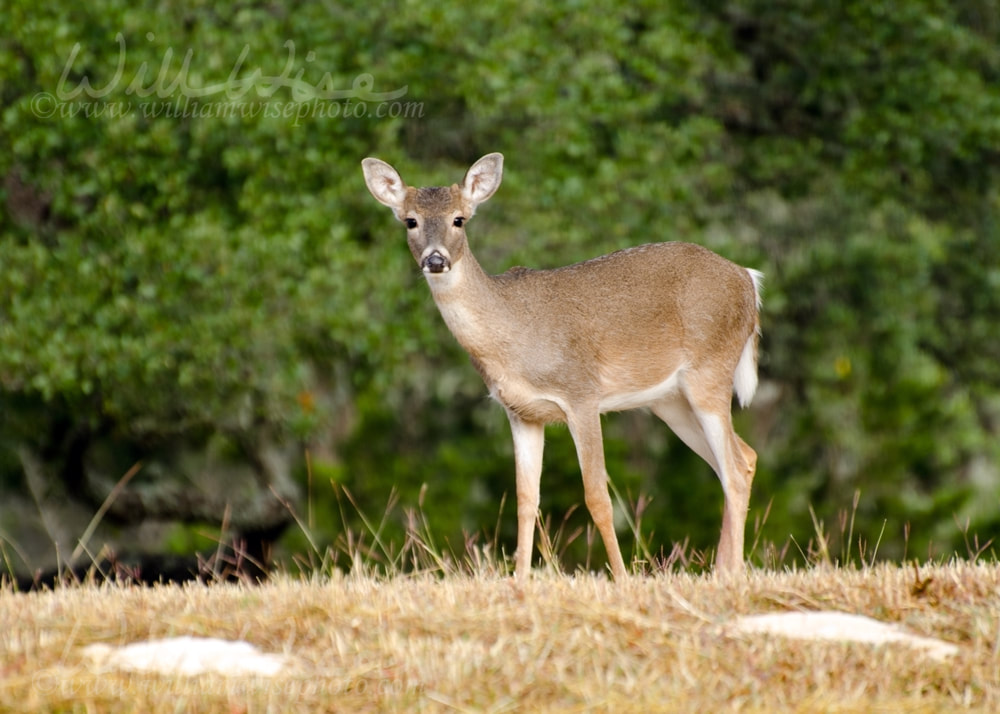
(745, 378)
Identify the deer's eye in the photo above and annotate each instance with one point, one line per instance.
(458, 222)
(410, 222)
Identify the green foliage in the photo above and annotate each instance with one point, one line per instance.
(174, 263)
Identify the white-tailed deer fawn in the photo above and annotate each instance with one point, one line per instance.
(669, 326)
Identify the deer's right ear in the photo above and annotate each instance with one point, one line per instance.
(384, 183)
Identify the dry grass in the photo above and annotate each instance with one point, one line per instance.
(483, 642)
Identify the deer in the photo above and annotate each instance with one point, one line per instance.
(671, 326)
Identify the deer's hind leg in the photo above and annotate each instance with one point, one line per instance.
(702, 418)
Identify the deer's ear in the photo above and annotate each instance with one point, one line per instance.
(384, 183)
(483, 179)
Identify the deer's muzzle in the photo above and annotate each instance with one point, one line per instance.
(436, 263)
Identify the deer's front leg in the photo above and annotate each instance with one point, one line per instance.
(586, 431)
(529, 443)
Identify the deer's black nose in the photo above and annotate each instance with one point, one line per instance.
(436, 263)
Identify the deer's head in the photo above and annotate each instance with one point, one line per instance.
(435, 217)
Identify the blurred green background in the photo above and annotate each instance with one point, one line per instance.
(193, 275)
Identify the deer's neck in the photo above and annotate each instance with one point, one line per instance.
(468, 302)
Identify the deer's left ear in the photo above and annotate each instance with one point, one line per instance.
(483, 179)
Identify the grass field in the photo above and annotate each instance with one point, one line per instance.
(484, 642)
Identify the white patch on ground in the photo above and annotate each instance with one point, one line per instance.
(188, 656)
(844, 627)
